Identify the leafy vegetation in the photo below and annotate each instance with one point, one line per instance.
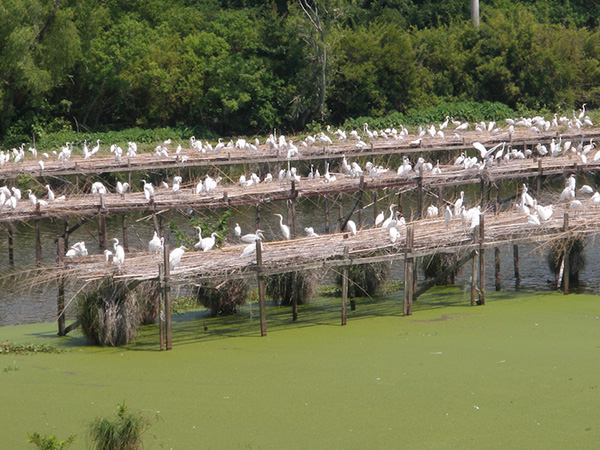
(10, 348)
(49, 442)
(209, 68)
(124, 433)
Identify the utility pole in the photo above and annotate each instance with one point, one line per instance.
(475, 13)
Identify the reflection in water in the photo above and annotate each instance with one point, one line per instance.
(34, 303)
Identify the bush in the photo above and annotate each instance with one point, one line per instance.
(224, 298)
(49, 442)
(433, 265)
(576, 250)
(111, 313)
(282, 287)
(125, 433)
(366, 279)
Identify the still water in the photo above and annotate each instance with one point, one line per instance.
(29, 301)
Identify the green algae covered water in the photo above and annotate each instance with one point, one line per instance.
(523, 371)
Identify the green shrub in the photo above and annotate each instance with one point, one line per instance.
(49, 442)
(124, 433)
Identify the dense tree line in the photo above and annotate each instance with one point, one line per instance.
(246, 66)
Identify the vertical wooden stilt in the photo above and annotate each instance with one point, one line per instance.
(419, 196)
(38, 243)
(361, 191)
(293, 210)
(257, 216)
(161, 306)
(11, 246)
(66, 234)
(441, 208)
(340, 210)
(375, 206)
(261, 290)
(497, 267)
(345, 289)
(516, 264)
(539, 178)
(124, 226)
(481, 260)
(474, 279)
(167, 297)
(154, 218)
(400, 202)
(567, 268)
(408, 272)
(61, 288)
(326, 201)
(295, 294)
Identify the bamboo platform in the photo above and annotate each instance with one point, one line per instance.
(99, 164)
(232, 195)
(430, 236)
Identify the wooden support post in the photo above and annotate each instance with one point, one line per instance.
(516, 264)
(38, 242)
(61, 288)
(539, 178)
(124, 225)
(161, 307)
(497, 267)
(474, 280)
(399, 202)
(293, 210)
(167, 297)
(257, 216)
(326, 200)
(295, 294)
(482, 193)
(481, 260)
(345, 288)
(419, 196)
(375, 206)
(441, 207)
(361, 191)
(567, 268)
(11, 245)
(408, 272)
(341, 211)
(261, 289)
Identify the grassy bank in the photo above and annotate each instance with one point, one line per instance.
(520, 372)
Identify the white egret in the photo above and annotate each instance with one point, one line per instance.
(148, 190)
(526, 199)
(387, 221)
(432, 211)
(448, 216)
(50, 193)
(393, 232)
(379, 219)
(119, 255)
(237, 230)
(156, 244)
(175, 256)
(99, 188)
(108, 255)
(251, 248)
(250, 238)
(459, 202)
(351, 226)
(310, 232)
(199, 243)
(586, 189)
(285, 230)
(122, 188)
(209, 242)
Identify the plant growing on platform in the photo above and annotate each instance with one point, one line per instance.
(49, 442)
(283, 287)
(575, 248)
(125, 432)
(225, 297)
(109, 314)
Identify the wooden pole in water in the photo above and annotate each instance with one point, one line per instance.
(481, 260)
(566, 257)
(345, 288)
(375, 206)
(474, 279)
(420, 195)
(497, 267)
(38, 239)
(516, 263)
(261, 289)
(361, 191)
(167, 291)
(124, 226)
(102, 237)
(61, 287)
(326, 200)
(161, 306)
(11, 247)
(408, 272)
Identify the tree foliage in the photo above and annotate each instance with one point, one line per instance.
(243, 67)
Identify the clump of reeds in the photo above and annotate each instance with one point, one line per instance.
(435, 264)
(366, 279)
(283, 287)
(575, 248)
(125, 432)
(225, 297)
(110, 313)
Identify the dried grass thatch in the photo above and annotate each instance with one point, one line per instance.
(224, 298)
(283, 287)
